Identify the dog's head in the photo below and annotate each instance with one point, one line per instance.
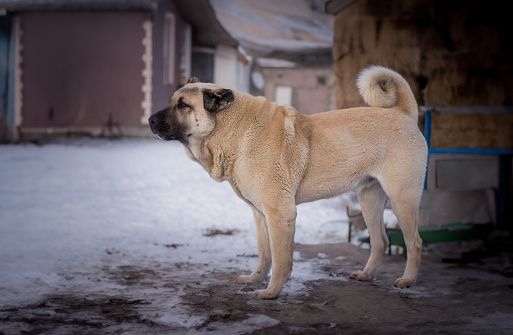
(191, 112)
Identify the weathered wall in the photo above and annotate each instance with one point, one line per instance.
(453, 53)
(493, 130)
(312, 87)
(161, 92)
(4, 70)
(79, 68)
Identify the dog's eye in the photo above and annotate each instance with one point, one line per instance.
(182, 105)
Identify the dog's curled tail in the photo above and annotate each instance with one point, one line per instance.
(384, 88)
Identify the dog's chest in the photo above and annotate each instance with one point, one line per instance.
(247, 189)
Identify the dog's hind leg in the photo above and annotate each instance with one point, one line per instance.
(405, 204)
(264, 251)
(372, 201)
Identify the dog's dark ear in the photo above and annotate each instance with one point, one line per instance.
(192, 80)
(216, 100)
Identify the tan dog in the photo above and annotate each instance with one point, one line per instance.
(276, 158)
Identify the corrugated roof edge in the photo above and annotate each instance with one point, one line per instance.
(335, 6)
(56, 5)
(201, 15)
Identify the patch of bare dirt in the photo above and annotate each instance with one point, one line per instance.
(474, 296)
(214, 232)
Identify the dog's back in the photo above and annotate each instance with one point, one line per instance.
(346, 146)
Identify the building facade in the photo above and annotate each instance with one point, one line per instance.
(101, 68)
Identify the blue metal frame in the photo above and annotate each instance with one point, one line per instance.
(468, 151)
(487, 151)
(427, 127)
(465, 151)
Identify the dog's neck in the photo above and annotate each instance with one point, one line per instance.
(216, 152)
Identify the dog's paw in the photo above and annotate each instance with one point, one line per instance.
(264, 295)
(243, 280)
(404, 283)
(361, 276)
(248, 279)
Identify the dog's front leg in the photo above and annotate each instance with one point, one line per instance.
(264, 251)
(281, 221)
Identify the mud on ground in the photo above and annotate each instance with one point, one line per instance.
(456, 293)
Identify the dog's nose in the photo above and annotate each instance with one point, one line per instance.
(153, 120)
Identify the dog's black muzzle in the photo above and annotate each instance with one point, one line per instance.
(160, 126)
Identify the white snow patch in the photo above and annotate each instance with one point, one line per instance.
(66, 208)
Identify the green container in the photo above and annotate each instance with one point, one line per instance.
(446, 233)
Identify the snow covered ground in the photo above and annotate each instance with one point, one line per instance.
(109, 237)
(66, 206)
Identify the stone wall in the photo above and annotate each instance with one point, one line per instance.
(453, 53)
